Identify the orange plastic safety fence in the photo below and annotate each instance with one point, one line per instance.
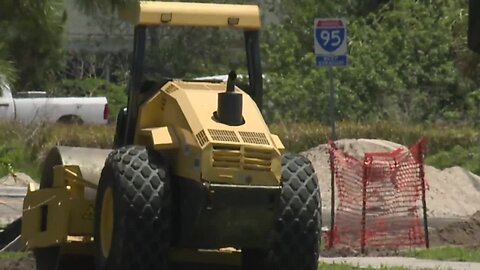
(379, 198)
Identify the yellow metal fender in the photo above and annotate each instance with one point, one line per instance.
(60, 214)
(160, 138)
(277, 142)
(42, 208)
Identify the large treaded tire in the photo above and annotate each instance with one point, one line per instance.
(140, 185)
(295, 240)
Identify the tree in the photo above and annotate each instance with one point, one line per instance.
(402, 63)
(32, 40)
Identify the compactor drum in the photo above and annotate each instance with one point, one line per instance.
(194, 176)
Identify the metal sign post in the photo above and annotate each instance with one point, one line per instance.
(330, 40)
(332, 104)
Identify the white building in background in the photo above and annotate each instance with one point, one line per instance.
(95, 33)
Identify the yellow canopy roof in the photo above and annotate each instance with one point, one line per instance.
(192, 14)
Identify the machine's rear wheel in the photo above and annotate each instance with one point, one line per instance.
(133, 211)
(295, 239)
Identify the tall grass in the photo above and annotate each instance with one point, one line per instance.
(26, 146)
(302, 136)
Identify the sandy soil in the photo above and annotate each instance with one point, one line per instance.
(466, 232)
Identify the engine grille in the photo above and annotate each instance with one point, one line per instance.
(202, 138)
(254, 137)
(257, 159)
(242, 158)
(226, 157)
(230, 136)
(223, 135)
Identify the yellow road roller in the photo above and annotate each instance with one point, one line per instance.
(194, 175)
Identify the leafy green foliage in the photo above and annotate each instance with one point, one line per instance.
(25, 147)
(5, 163)
(14, 150)
(464, 156)
(32, 40)
(408, 60)
(98, 6)
(402, 64)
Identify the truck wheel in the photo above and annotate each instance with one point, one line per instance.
(70, 120)
(295, 239)
(132, 226)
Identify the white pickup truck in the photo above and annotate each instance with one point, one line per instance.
(32, 107)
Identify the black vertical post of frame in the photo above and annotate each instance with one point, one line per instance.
(332, 210)
(254, 65)
(363, 236)
(421, 150)
(135, 83)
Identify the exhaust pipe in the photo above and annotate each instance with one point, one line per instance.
(230, 104)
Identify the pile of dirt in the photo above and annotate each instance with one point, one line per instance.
(12, 190)
(27, 263)
(466, 232)
(453, 192)
(18, 179)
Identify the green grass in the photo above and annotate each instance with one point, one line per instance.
(448, 253)
(467, 157)
(25, 147)
(13, 255)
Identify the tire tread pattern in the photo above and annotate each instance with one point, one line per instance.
(296, 236)
(142, 188)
